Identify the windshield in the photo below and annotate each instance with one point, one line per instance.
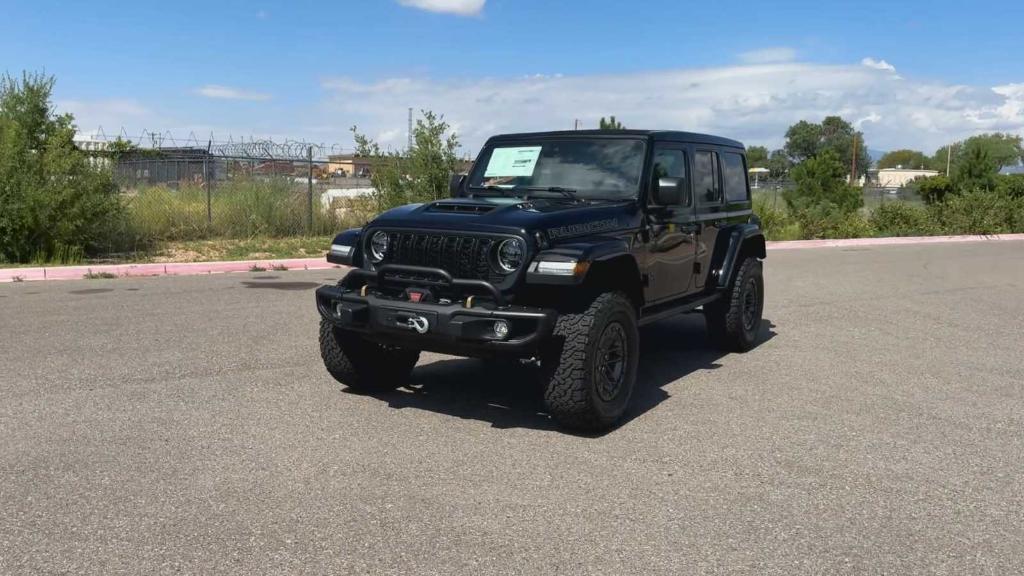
(597, 168)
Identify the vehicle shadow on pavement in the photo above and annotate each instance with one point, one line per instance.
(509, 394)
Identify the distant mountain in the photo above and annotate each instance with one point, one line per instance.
(876, 155)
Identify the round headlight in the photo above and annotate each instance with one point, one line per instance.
(510, 255)
(378, 246)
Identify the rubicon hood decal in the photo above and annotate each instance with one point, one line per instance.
(585, 228)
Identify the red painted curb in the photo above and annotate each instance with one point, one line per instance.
(848, 242)
(195, 268)
(180, 269)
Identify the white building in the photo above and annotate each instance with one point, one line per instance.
(900, 177)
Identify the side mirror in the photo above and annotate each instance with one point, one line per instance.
(455, 185)
(669, 191)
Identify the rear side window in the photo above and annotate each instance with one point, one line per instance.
(705, 177)
(734, 177)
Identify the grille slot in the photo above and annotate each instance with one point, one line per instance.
(462, 256)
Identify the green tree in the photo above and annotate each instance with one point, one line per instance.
(806, 140)
(779, 164)
(610, 124)
(911, 159)
(823, 204)
(420, 174)
(1002, 149)
(821, 182)
(976, 171)
(757, 157)
(55, 203)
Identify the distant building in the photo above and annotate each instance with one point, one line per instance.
(900, 177)
(362, 166)
(351, 165)
(94, 148)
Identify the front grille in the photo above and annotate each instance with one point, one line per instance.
(461, 256)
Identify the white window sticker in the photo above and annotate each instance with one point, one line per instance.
(512, 162)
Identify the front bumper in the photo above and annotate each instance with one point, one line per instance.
(450, 328)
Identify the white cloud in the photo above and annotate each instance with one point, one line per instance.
(459, 7)
(878, 64)
(768, 55)
(229, 93)
(752, 103)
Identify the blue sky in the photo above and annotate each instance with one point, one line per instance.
(910, 74)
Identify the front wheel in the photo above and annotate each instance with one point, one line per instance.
(362, 365)
(590, 365)
(734, 320)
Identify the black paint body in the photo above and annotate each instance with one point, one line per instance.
(668, 259)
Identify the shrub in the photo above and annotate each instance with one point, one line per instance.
(775, 221)
(978, 212)
(825, 221)
(902, 219)
(933, 189)
(1011, 185)
(55, 204)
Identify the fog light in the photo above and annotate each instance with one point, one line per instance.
(501, 329)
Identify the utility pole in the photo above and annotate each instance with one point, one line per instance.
(853, 164)
(409, 133)
(949, 157)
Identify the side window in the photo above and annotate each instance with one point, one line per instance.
(734, 177)
(706, 177)
(670, 163)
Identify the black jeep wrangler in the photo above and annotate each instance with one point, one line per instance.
(556, 247)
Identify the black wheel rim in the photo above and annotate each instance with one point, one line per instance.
(610, 361)
(750, 305)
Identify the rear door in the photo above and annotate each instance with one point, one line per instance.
(671, 248)
(707, 190)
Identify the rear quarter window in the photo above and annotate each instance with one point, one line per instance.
(734, 177)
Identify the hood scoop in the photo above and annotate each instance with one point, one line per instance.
(461, 208)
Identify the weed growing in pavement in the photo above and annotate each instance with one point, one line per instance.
(90, 275)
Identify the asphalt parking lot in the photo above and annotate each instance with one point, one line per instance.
(186, 425)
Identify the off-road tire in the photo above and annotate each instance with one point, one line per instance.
(734, 321)
(362, 365)
(576, 394)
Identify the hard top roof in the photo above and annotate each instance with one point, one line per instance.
(656, 135)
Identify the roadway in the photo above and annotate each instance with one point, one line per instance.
(186, 425)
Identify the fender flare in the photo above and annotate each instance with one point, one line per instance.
(730, 245)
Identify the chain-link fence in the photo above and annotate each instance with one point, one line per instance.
(772, 192)
(235, 191)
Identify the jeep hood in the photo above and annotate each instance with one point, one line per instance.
(561, 217)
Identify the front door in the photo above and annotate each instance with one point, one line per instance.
(671, 247)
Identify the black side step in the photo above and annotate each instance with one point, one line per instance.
(675, 307)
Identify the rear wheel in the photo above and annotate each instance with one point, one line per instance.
(362, 365)
(590, 366)
(734, 321)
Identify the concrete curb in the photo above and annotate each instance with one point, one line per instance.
(136, 270)
(195, 268)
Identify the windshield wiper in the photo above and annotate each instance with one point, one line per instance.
(567, 192)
